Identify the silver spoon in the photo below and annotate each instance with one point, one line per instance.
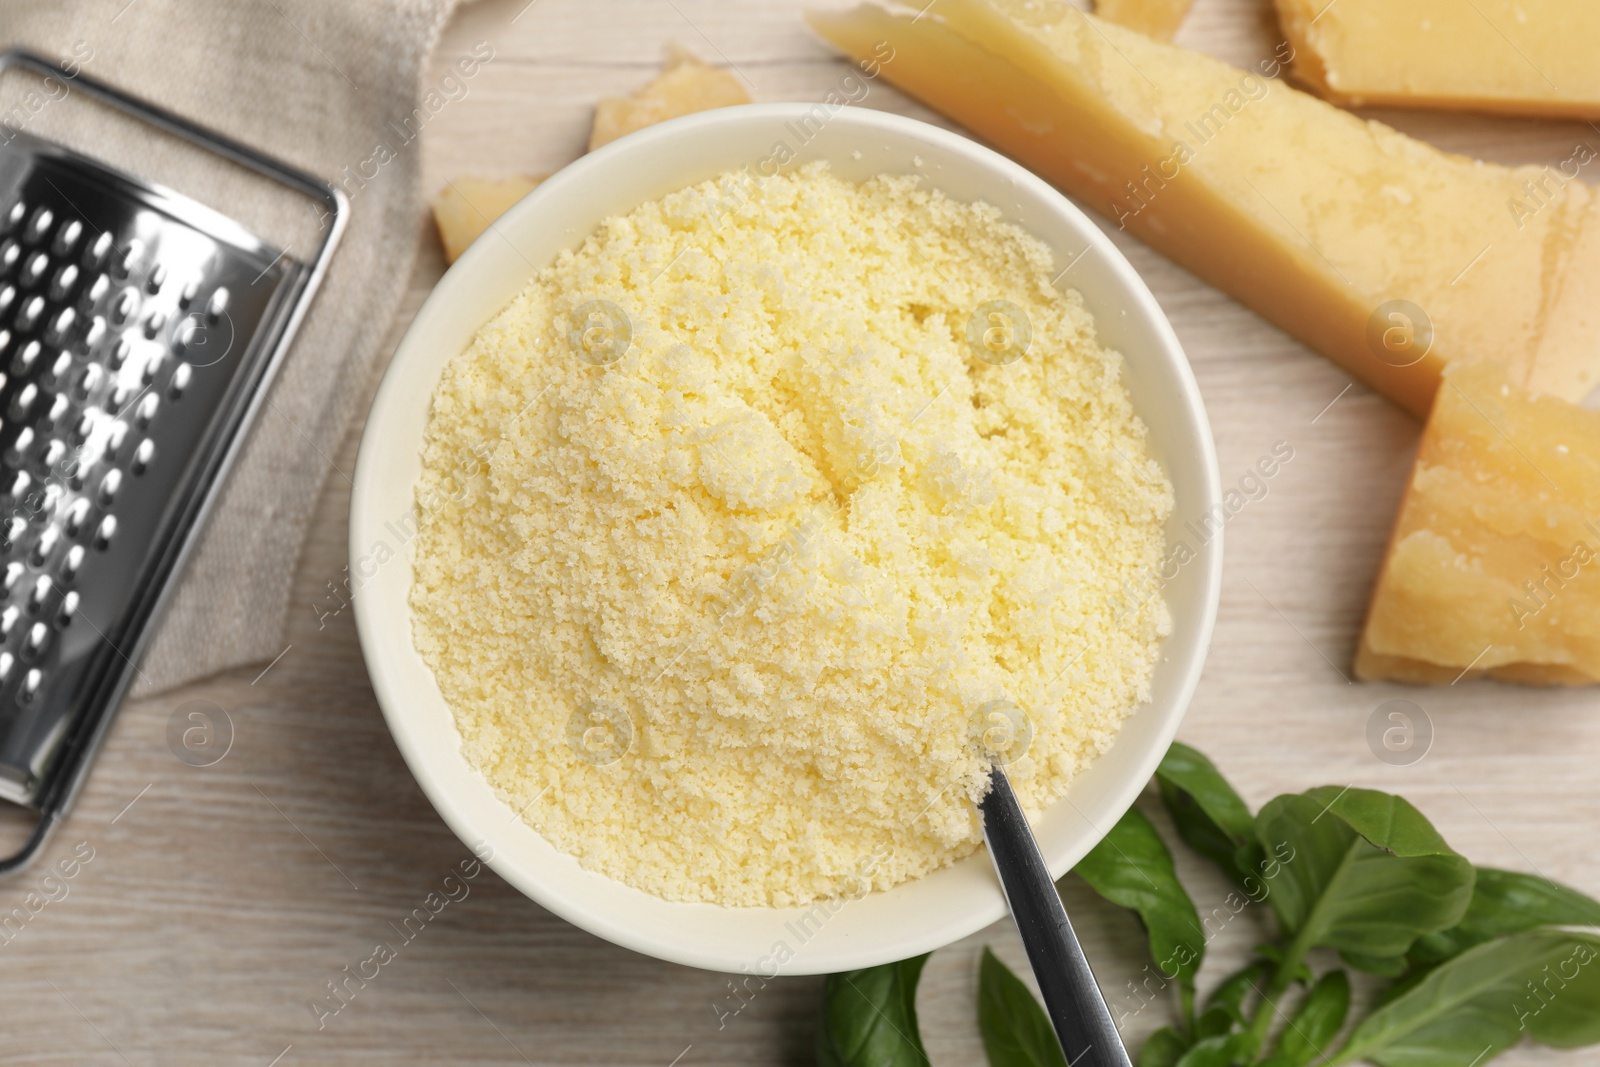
(1071, 996)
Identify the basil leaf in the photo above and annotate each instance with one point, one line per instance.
(1366, 872)
(1273, 953)
(1164, 1048)
(1400, 986)
(1214, 1022)
(1231, 993)
(1383, 966)
(1224, 1008)
(1210, 816)
(1315, 1023)
(1132, 868)
(1212, 1052)
(1545, 983)
(1507, 902)
(1016, 1031)
(869, 1017)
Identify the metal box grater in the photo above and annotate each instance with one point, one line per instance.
(138, 330)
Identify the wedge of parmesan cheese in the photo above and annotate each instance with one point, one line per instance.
(1494, 565)
(466, 207)
(684, 86)
(1384, 254)
(1507, 56)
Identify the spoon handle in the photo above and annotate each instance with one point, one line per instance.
(1071, 997)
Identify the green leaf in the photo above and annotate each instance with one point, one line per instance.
(1131, 867)
(1215, 1022)
(1404, 984)
(1273, 953)
(1231, 993)
(1164, 1048)
(1016, 1031)
(1383, 966)
(869, 1018)
(1433, 949)
(1542, 983)
(1365, 872)
(1507, 902)
(1315, 1023)
(1210, 816)
(1224, 1008)
(1212, 1052)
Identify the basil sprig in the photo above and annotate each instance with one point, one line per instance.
(1468, 961)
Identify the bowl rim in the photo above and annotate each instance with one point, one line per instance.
(455, 285)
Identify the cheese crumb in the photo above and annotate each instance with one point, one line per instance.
(750, 522)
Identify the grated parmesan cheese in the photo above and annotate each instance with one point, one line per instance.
(746, 519)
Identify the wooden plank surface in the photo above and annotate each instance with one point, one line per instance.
(219, 900)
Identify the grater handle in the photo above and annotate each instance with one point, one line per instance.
(242, 154)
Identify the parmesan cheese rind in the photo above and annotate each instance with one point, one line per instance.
(723, 578)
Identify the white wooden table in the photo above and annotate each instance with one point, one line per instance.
(220, 900)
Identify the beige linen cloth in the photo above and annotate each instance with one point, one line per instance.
(334, 87)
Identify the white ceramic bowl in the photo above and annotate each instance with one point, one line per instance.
(913, 917)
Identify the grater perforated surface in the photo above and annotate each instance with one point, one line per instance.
(139, 330)
(129, 318)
